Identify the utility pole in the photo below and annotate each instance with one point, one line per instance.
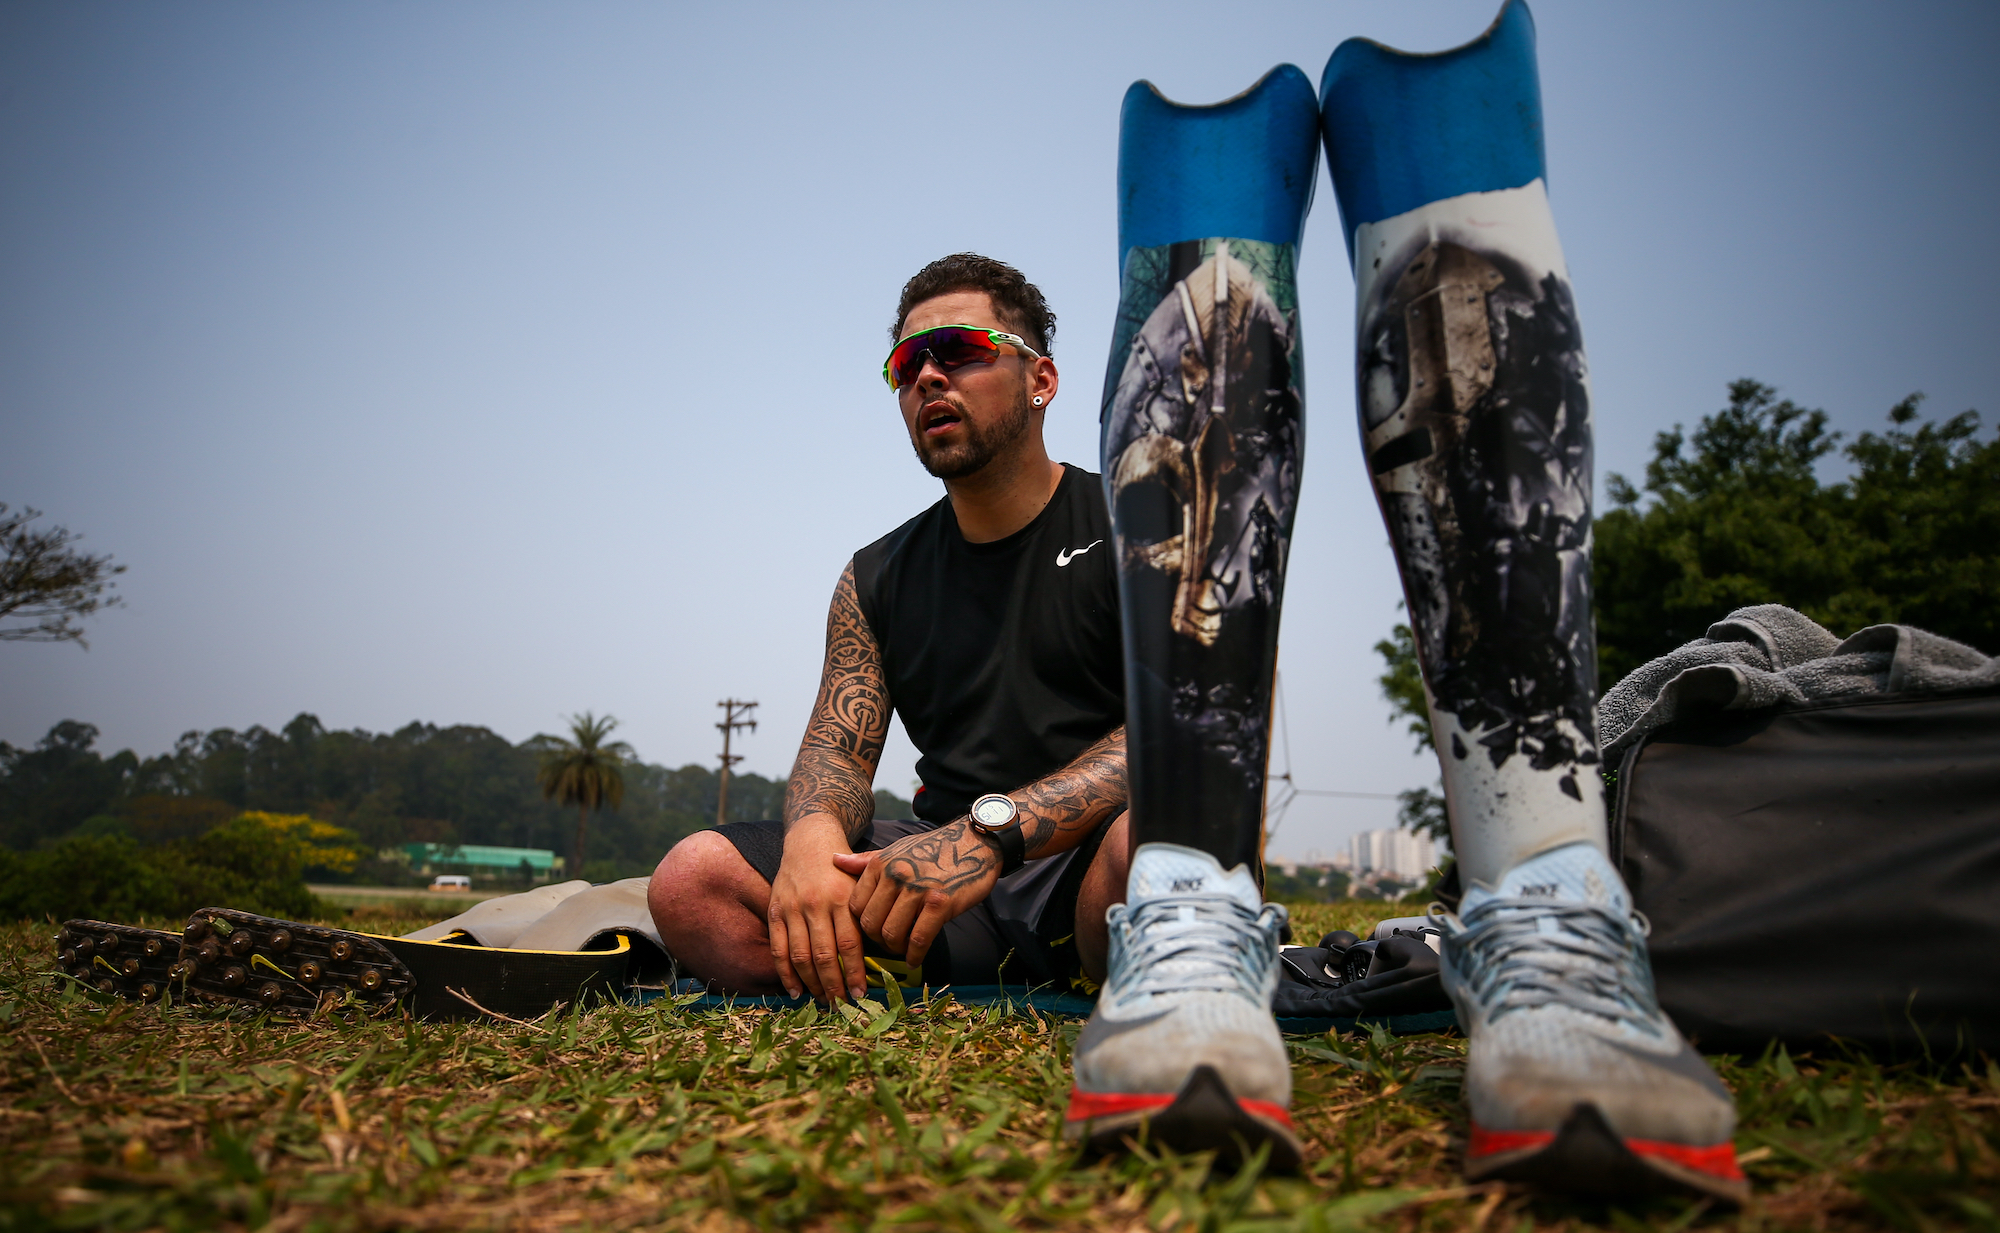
(731, 708)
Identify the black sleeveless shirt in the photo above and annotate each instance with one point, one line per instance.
(1004, 660)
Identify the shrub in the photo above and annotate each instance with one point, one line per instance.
(255, 862)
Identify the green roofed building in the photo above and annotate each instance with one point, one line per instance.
(478, 858)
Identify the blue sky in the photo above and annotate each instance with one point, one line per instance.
(485, 363)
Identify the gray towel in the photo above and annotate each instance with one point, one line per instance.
(1768, 655)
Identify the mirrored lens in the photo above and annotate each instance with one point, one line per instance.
(951, 346)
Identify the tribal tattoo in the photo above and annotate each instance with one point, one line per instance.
(1056, 811)
(835, 771)
(946, 859)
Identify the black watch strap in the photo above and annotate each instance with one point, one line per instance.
(1013, 848)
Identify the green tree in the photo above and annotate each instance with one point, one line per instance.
(255, 861)
(1420, 810)
(47, 790)
(889, 805)
(1735, 515)
(45, 581)
(1402, 683)
(586, 771)
(423, 783)
(1925, 507)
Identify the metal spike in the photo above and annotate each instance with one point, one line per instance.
(153, 948)
(234, 975)
(105, 986)
(84, 949)
(130, 967)
(271, 994)
(208, 952)
(108, 943)
(66, 957)
(281, 940)
(241, 943)
(149, 992)
(196, 930)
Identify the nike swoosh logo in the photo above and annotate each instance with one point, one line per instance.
(1684, 1062)
(1100, 1029)
(1067, 555)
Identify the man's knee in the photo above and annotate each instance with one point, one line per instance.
(698, 878)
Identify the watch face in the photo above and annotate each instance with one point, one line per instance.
(993, 812)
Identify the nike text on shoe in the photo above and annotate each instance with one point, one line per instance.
(1182, 1049)
(1575, 1079)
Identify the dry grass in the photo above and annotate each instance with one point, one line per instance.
(125, 1117)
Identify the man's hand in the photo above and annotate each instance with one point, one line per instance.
(908, 890)
(814, 941)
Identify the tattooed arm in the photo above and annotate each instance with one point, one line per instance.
(1059, 810)
(908, 890)
(828, 804)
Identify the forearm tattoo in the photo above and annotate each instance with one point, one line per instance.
(835, 771)
(1074, 800)
(1057, 811)
(945, 859)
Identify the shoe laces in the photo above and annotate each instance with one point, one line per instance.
(1518, 954)
(1183, 944)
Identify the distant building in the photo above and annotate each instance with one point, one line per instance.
(1397, 853)
(482, 859)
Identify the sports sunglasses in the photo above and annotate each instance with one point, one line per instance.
(951, 346)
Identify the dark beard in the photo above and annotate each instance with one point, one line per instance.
(980, 446)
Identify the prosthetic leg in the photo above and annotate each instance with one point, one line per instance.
(1475, 422)
(1202, 434)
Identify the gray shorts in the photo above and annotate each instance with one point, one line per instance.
(1023, 934)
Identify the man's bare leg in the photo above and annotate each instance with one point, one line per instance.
(1103, 886)
(712, 911)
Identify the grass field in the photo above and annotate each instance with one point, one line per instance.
(118, 1116)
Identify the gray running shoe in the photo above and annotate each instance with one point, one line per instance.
(1575, 1078)
(1182, 1049)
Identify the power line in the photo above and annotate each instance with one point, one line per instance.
(1282, 790)
(1353, 796)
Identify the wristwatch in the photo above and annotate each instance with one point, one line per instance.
(995, 817)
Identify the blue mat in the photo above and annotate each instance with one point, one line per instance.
(1022, 1000)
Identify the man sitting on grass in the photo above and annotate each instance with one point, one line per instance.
(990, 622)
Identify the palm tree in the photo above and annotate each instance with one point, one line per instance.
(585, 771)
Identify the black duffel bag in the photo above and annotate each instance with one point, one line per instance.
(1817, 870)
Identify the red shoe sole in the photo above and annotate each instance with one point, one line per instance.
(1202, 1117)
(1586, 1156)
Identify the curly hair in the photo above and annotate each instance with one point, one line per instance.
(1018, 302)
